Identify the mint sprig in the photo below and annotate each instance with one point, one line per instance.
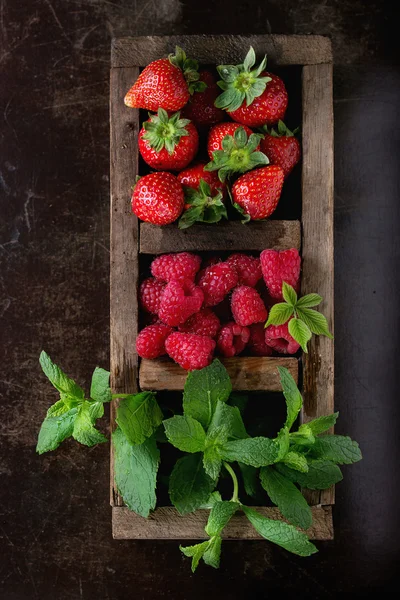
(303, 320)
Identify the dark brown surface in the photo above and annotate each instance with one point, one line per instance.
(55, 517)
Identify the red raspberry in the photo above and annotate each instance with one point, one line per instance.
(216, 282)
(247, 306)
(232, 339)
(278, 267)
(248, 268)
(150, 342)
(150, 295)
(204, 322)
(190, 351)
(179, 302)
(257, 345)
(279, 338)
(176, 267)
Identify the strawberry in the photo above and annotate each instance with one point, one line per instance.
(168, 142)
(217, 134)
(158, 198)
(256, 194)
(165, 83)
(200, 107)
(281, 147)
(252, 97)
(192, 176)
(202, 206)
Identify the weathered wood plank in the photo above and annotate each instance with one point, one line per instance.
(317, 219)
(223, 49)
(124, 240)
(247, 373)
(255, 236)
(167, 523)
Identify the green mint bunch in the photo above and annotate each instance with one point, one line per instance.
(304, 321)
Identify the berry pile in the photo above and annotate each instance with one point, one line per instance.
(219, 306)
(250, 149)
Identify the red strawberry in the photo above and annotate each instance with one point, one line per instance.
(281, 147)
(165, 83)
(168, 143)
(158, 198)
(257, 193)
(278, 267)
(189, 350)
(252, 97)
(192, 176)
(217, 134)
(200, 107)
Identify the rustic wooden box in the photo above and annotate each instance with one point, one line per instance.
(314, 235)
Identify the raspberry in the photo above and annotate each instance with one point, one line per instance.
(279, 338)
(204, 322)
(232, 339)
(178, 267)
(278, 267)
(247, 268)
(247, 306)
(257, 345)
(216, 282)
(179, 302)
(150, 295)
(150, 342)
(190, 351)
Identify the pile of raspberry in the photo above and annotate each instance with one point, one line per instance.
(220, 307)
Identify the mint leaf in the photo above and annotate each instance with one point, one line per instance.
(300, 332)
(195, 552)
(230, 418)
(220, 515)
(256, 452)
(100, 389)
(250, 479)
(212, 462)
(279, 314)
(280, 533)
(213, 499)
(308, 301)
(339, 449)
(57, 409)
(321, 424)
(55, 429)
(67, 387)
(135, 468)
(321, 474)
(296, 461)
(314, 321)
(139, 416)
(185, 433)
(203, 388)
(282, 441)
(287, 497)
(303, 437)
(238, 400)
(289, 294)
(189, 484)
(293, 398)
(84, 431)
(213, 553)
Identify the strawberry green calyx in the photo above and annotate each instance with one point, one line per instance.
(239, 154)
(164, 131)
(204, 207)
(283, 130)
(241, 82)
(189, 68)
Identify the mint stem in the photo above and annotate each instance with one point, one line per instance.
(235, 497)
(116, 396)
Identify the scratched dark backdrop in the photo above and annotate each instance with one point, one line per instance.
(54, 235)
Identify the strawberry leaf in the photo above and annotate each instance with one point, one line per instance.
(300, 332)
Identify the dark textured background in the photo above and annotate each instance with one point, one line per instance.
(55, 525)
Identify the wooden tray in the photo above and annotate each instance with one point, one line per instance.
(314, 235)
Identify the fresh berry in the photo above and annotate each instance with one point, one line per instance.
(216, 282)
(278, 267)
(281, 147)
(247, 306)
(150, 294)
(257, 345)
(150, 342)
(190, 351)
(252, 97)
(257, 193)
(165, 83)
(178, 267)
(219, 132)
(158, 198)
(279, 338)
(232, 339)
(248, 268)
(200, 107)
(180, 301)
(192, 176)
(168, 143)
(204, 322)
(202, 206)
